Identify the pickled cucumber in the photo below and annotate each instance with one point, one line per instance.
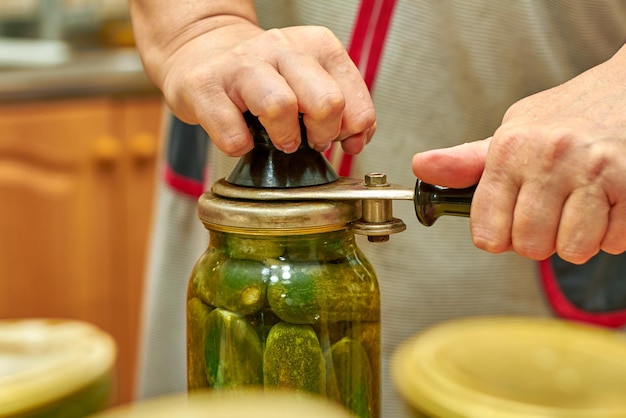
(326, 248)
(197, 316)
(250, 247)
(235, 285)
(293, 359)
(307, 293)
(368, 333)
(233, 351)
(201, 283)
(350, 377)
(240, 286)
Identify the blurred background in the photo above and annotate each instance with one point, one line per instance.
(87, 22)
(79, 144)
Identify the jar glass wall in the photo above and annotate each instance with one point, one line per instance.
(294, 311)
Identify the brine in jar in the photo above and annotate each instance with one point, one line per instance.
(290, 311)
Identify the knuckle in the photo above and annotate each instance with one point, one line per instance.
(506, 141)
(597, 161)
(275, 36)
(360, 122)
(324, 35)
(366, 119)
(558, 142)
(326, 106)
(232, 145)
(187, 94)
(196, 79)
(275, 106)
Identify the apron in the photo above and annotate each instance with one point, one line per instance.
(440, 73)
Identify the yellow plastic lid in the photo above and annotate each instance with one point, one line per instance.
(44, 360)
(509, 367)
(241, 403)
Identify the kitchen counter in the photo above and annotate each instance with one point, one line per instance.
(107, 71)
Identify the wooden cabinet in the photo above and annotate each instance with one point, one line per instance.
(76, 189)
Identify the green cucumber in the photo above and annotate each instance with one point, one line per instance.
(202, 276)
(293, 359)
(323, 248)
(236, 285)
(368, 333)
(197, 316)
(233, 352)
(307, 293)
(251, 247)
(350, 377)
(241, 286)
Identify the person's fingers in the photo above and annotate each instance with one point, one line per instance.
(491, 219)
(314, 92)
(292, 80)
(358, 114)
(355, 143)
(584, 220)
(536, 218)
(320, 99)
(614, 241)
(267, 95)
(224, 123)
(493, 204)
(459, 166)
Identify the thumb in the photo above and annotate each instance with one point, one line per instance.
(457, 167)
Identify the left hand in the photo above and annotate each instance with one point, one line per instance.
(553, 176)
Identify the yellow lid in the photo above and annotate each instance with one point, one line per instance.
(513, 367)
(242, 403)
(44, 360)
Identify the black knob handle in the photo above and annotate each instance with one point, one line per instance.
(267, 167)
(432, 201)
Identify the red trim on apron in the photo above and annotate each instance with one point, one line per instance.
(183, 184)
(566, 309)
(366, 47)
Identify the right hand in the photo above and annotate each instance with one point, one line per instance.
(214, 77)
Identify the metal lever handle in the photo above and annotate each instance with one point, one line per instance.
(432, 201)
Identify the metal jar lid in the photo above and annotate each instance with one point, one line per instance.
(513, 367)
(276, 217)
(232, 403)
(43, 361)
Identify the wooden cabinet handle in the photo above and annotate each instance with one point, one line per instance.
(107, 150)
(143, 147)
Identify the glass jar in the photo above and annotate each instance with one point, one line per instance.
(284, 298)
(55, 368)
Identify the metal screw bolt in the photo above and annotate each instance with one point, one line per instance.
(375, 179)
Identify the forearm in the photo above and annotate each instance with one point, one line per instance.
(161, 27)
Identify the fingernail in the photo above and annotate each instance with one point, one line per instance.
(289, 147)
(320, 147)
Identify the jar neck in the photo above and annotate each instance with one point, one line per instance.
(306, 247)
